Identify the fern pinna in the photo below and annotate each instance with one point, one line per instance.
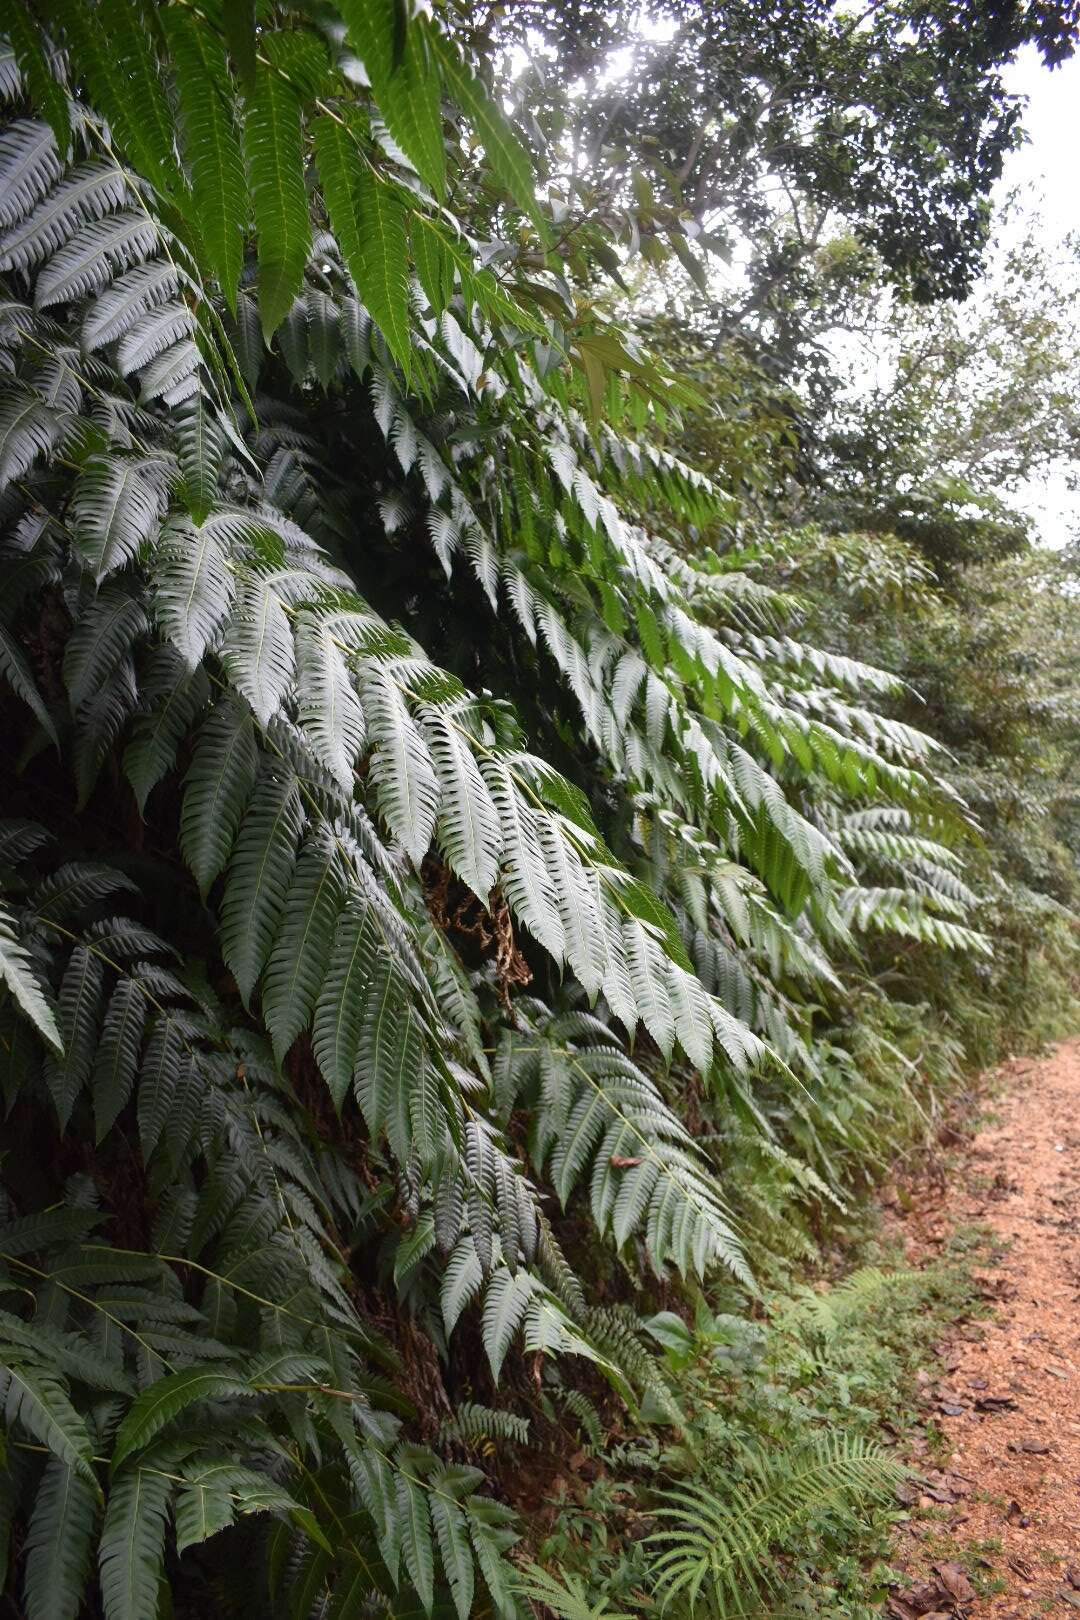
(359, 668)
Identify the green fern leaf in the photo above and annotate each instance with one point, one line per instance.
(67, 1354)
(165, 1400)
(300, 958)
(492, 1537)
(329, 709)
(257, 881)
(77, 884)
(15, 669)
(17, 973)
(111, 47)
(28, 429)
(452, 1535)
(174, 697)
(565, 1595)
(94, 257)
(526, 878)
(125, 301)
(577, 907)
(168, 1092)
(390, 1058)
(193, 588)
(240, 35)
(403, 79)
(117, 1060)
(131, 1553)
(59, 1544)
(434, 263)
(258, 647)
(505, 1300)
(401, 764)
(217, 789)
(273, 146)
(18, 24)
(368, 217)
(203, 1508)
(648, 967)
(416, 1545)
(114, 512)
(719, 1544)
(211, 145)
(36, 1401)
(469, 829)
(336, 1030)
(79, 1009)
(104, 634)
(29, 165)
(200, 450)
(153, 342)
(19, 838)
(461, 1282)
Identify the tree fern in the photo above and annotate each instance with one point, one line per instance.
(387, 672)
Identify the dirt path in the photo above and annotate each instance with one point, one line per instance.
(1009, 1401)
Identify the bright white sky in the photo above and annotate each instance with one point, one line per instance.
(1046, 172)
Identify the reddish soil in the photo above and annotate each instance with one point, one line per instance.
(1005, 1504)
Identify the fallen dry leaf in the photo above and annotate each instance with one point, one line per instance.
(926, 1597)
(954, 1578)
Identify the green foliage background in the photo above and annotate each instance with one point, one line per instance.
(503, 825)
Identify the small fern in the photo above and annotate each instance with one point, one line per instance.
(475, 1425)
(823, 1315)
(717, 1551)
(565, 1596)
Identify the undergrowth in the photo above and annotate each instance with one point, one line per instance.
(780, 1496)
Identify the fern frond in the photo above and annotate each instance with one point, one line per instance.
(29, 165)
(716, 1548)
(273, 148)
(93, 257)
